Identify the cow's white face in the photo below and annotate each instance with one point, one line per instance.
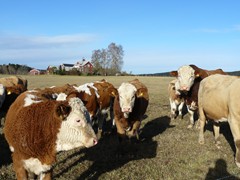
(127, 94)
(76, 130)
(186, 77)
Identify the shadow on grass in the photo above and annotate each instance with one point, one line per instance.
(220, 172)
(225, 131)
(110, 155)
(5, 158)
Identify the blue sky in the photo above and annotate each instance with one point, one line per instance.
(156, 35)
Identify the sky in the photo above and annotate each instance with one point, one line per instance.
(156, 35)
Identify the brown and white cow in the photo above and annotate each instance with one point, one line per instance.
(219, 100)
(37, 128)
(129, 108)
(175, 99)
(105, 100)
(14, 86)
(187, 74)
(2, 95)
(89, 95)
(188, 79)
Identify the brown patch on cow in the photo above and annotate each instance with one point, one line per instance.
(63, 110)
(174, 73)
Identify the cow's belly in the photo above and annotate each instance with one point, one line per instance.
(215, 108)
(35, 166)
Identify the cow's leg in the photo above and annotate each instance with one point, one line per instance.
(173, 109)
(21, 172)
(112, 116)
(235, 129)
(135, 130)
(216, 130)
(100, 124)
(191, 120)
(202, 122)
(120, 131)
(180, 107)
(46, 176)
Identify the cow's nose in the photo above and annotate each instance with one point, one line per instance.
(126, 109)
(95, 141)
(184, 88)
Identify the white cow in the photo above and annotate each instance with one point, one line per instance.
(175, 99)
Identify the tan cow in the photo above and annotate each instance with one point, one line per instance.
(219, 100)
(37, 128)
(129, 108)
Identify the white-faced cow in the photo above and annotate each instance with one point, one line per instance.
(189, 77)
(37, 128)
(175, 99)
(130, 106)
(219, 100)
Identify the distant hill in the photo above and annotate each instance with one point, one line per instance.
(166, 74)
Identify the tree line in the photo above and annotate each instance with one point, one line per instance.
(14, 69)
(108, 61)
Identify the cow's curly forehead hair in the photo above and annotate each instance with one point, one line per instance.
(126, 87)
(77, 104)
(186, 69)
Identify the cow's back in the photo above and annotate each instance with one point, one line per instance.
(29, 127)
(140, 85)
(213, 95)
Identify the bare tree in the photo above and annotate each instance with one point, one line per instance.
(96, 58)
(115, 53)
(108, 61)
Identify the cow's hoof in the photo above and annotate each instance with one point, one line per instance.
(190, 126)
(237, 163)
(201, 141)
(218, 144)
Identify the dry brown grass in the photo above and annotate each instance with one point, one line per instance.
(167, 150)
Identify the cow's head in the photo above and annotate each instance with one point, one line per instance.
(186, 76)
(76, 131)
(127, 94)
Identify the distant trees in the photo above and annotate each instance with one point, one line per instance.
(14, 69)
(108, 61)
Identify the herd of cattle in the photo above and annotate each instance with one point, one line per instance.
(41, 122)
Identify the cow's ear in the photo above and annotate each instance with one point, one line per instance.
(9, 92)
(141, 92)
(174, 73)
(113, 91)
(63, 110)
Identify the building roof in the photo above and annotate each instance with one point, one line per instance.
(68, 65)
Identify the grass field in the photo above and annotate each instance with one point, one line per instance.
(166, 150)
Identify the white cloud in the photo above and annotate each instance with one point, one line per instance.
(41, 51)
(234, 28)
(31, 42)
